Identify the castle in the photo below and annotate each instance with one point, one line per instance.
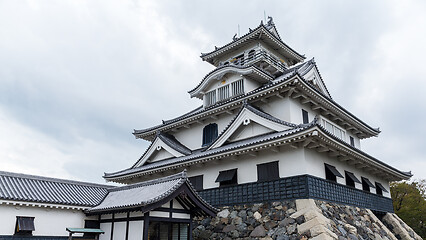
(267, 131)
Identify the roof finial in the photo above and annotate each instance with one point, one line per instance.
(234, 37)
(270, 21)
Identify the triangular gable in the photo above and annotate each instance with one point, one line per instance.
(249, 130)
(246, 117)
(158, 150)
(311, 74)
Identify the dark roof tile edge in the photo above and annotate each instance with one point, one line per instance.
(50, 179)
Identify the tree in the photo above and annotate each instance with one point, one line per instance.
(409, 203)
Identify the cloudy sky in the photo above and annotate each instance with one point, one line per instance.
(76, 77)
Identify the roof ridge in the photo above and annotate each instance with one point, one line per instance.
(182, 176)
(51, 179)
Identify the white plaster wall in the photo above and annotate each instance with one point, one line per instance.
(277, 107)
(160, 155)
(247, 131)
(135, 230)
(193, 137)
(47, 221)
(316, 161)
(250, 85)
(106, 227)
(119, 230)
(290, 110)
(290, 162)
(176, 204)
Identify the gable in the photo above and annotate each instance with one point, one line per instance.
(158, 150)
(313, 77)
(249, 130)
(247, 124)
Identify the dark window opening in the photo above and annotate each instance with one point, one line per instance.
(197, 182)
(251, 55)
(227, 178)
(267, 171)
(380, 189)
(352, 141)
(366, 184)
(24, 226)
(305, 116)
(351, 179)
(331, 173)
(209, 133)
(168, 230)
(239, 60)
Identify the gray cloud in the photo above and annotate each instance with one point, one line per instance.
(77, 77)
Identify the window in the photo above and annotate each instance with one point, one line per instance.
(331, 173)
(251, 55)
(24, 226)
(351, 139)
(305, 116)
(209, 133)
(267, 171)
(237, 87)
(380, 189)
(164, 230)
(223, 92)
(197, 182)
(333, 129)
(210, 98)
(351, 179)
(366, 184)
(227, 178)
(239, 60)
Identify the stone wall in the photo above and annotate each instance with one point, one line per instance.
(299, 219)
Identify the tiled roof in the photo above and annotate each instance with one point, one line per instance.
(253, 67)
(291, 72)
(200, 153)
(145, 193)
(29, 188)
(246, 143)
(268, 116)
(172, 142)
(251, 34)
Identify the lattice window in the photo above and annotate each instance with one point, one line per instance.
(210, 98)
(237, 87)
(223, 92)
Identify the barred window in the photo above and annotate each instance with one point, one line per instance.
(210, 98)
(223, 92)
(237, 87)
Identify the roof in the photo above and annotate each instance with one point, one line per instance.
(289, 77)
(146, 195)
(200, 154)
(172, 142)
(30, 188)
(261, 30)
(252, 70)
(249, 143)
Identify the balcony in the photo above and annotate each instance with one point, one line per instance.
(259, 58)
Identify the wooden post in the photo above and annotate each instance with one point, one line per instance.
(70, 236)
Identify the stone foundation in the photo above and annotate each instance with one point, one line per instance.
(299, 219)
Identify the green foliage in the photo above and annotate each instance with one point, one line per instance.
(409, 203)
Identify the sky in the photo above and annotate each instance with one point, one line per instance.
(76, 77)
